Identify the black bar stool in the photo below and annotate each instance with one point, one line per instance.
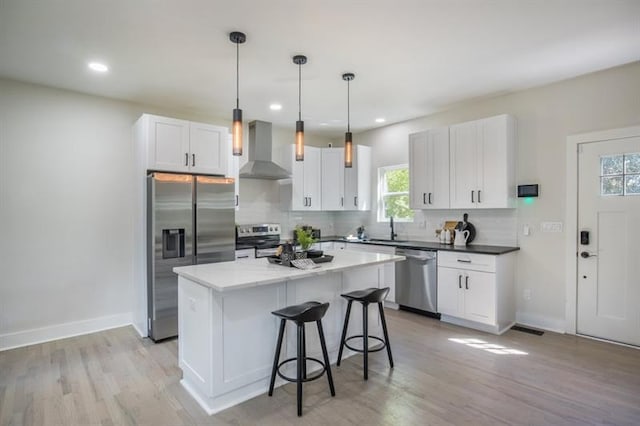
(366, 296)
(301, 314)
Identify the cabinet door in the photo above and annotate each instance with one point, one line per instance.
(357, 180)
(464, 155)
(480, 296)
(450, 293)
(438, 164)
(234, 172)
(208, 149)
(419, 176)
(298, 197)
(496, 177)
(312, 178)
(168, 148)
(332, 178)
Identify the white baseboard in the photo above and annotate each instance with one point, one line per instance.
(556, 325)
(62, 331)
(142, 333)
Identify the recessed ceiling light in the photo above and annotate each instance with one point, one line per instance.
(275, 107)
(324, 124)
(380, 120)
(98, 67)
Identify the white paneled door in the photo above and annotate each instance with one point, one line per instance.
(608, 237)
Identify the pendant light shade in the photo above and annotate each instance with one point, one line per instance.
(348, 137)
(299, 60)
(236, 128)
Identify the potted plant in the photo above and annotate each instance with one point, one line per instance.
(306, 240)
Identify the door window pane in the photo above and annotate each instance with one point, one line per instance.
(611, 185)
(611, 165)
(632, 163)
(632, 184)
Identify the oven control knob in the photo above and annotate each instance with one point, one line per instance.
(271, 228)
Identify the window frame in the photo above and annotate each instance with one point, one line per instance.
(382, 170)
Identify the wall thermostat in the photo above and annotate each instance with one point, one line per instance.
(528, 190)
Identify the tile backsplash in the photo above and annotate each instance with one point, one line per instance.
(260, 202)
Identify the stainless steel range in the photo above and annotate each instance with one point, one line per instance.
(265, 237)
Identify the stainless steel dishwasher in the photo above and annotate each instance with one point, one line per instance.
(416, 280)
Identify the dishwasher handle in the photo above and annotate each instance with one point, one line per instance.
(417, 254)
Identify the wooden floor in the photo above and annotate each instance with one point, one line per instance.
(116, 378)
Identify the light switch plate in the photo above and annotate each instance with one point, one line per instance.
(551, 226)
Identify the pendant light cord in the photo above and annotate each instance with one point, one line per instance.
(348, 107)
(300, 92)
(238, 75)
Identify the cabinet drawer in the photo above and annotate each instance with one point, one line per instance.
(471, 261)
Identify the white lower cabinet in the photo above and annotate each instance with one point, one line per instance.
(477, 290)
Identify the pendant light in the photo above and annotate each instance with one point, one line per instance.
(236, 129)
(299, 60)
(348, 138)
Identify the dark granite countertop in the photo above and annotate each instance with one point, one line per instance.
(429, 245)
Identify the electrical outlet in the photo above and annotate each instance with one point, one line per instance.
(527, 294)
(551, 226)
(526, 230)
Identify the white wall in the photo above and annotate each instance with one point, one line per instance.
(545, 116)
(66, 209)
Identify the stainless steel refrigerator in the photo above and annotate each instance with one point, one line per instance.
(190, 220)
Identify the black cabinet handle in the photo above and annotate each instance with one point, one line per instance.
(424, 195)
(243, 257)
(472, 193)
(193, 160)
(429, 198)
(459, 281)
(186, 158)
(341, 201)
(237, 200)
(464, 260)
(479, 196)
(306, 203)
(355, 201)
(466, 282)
(309, 201)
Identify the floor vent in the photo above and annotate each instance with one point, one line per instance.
(527, 330)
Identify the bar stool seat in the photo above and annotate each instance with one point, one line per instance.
(366, 297)
(301, 314)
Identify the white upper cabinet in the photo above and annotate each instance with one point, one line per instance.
(333, 178)
(482, 163)
(181, 146)
(234, 172)
(429, 169)
(306, 179)
(357, 180)
(209, 146)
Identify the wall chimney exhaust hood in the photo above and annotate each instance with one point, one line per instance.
(260, 165)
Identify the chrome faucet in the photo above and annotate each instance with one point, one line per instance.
(393, 233)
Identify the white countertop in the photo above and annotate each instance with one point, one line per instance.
(226, 276)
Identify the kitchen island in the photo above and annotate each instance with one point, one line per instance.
(227, 334)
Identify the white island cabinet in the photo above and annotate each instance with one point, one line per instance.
(228, 334)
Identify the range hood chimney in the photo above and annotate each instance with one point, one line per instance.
(260, 165)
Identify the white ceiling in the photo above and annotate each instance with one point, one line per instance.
(410, 58)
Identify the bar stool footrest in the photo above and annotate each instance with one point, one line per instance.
(308, 379)
(379, 348)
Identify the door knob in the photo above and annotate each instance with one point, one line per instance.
(586, 254)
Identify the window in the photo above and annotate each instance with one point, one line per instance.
(393, 194)
(620, 174)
